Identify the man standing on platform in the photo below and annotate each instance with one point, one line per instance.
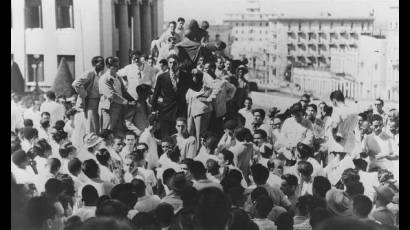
(137, 73)
(113, 97)
(169, 96)
(89, 95)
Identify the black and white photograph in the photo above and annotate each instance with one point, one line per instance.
(204, 115)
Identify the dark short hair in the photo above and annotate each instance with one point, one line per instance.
(228, 155)
(181, 19)
(66, 149)
(377, 117)
(173, 22)
(19, 156)
(139, 186)
(261, 111)
(112, 208)
(249, 99)
(54, 163)
(74, 166)
(211, 64)
(284, 221)
(263, 206)
(89, 195)
(28, 123)
(261, 132)
(213, 208)
(296, 109)
(173, 56)
(90, 168)
(337, 95)
(105, 133)
(258, 192)
(39, 209)
(59, 136)
(183, 119)
(125, 193)
(267, 152)
(211, 142)
(230, 124)
(51, 95)
(313, 106)
(304, 150)
(163, 62)
(95, 59)
(45, 113)
(103, 156)
(260, 174)
(144, 219)
(318, 216)
(197, 169)
(362, 205)
(164, 213)
(29, 133)
(136, 53)
(130, 133)
(241, 134)
(321, 185)
(109, 61)
(70, 112)
(303, 203)
(189, 196)
(359, 163)
(54, 187)
(305, 168)
(167, 175)
(381, 101)
(290, 179)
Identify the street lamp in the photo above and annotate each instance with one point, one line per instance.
(37, 90)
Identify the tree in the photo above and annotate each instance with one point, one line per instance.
(17, 81)
(63, 80)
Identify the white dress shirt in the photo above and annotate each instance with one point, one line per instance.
(136, 77)
(55, 109)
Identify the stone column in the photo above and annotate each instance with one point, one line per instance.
(136, 13)
(146, 26)
(124, 33)
(154, 18)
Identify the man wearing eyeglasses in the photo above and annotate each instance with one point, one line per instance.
(137, 73)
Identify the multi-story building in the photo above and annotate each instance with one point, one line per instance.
(221, 33)
(251, 37)
(392, 55)
(306, 41)
(45, 31)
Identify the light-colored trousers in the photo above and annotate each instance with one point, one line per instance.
(92, 124)
(198, 125)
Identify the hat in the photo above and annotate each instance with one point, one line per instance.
(385, 192)
(91, 140)
(179, 182)
(338, 203)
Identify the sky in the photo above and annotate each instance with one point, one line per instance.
(214, 10)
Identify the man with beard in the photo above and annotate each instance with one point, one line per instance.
(89, 95)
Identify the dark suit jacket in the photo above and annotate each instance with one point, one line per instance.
(174, 102)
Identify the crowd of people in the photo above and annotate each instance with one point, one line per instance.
(173, 141)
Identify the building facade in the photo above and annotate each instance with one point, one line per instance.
(221, 33)
(307, 41)
(45, 31)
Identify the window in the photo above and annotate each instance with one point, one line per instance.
(331, 25)
(267, 24)
(320, 26)
(351, 25)
(289, 26)
(70, 61)
(237, 24)
(243, 24)
(34, 14)
(35, 67)
(362, 25)
(342, 23)
(260, 24)
(300, 26)
(64, 14)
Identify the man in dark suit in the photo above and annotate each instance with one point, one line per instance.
(169, 96)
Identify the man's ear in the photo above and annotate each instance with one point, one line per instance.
(49, 223)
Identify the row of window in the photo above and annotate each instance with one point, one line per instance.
(34, 14)
(331, 25)
(251, 31)
(35, 66)
(252, 24)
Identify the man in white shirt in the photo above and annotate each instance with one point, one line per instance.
(146, 202)
(246, 112)
(296, 129)
(148, 138)
(20, 168)
(259, 122)
(52, 168)
(198, 172)
(33, 112)
(378, 109)
(137, 73)
(130, 141)
(56, 110)
(16, 118)
(380, 147)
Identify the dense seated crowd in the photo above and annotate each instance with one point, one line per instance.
(159, 145)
